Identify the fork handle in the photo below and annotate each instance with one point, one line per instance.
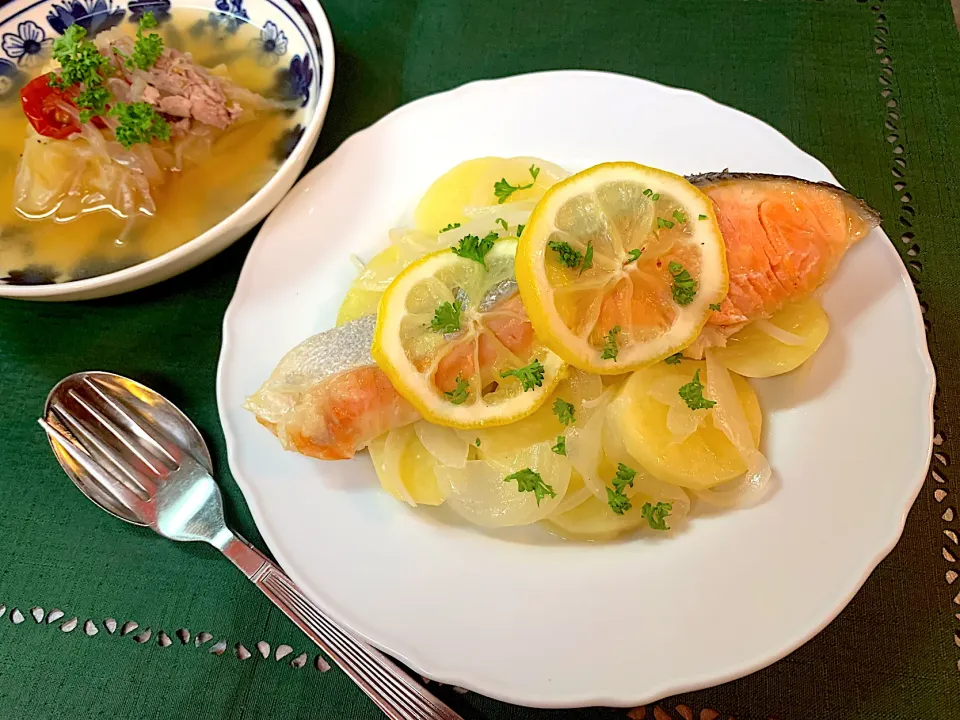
(396, 693)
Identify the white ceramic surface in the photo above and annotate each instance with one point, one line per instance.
(293, 34)
(523, 616)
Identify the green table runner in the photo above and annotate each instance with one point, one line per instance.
(870, 89)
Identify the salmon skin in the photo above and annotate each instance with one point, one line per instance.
(327, 399)
(784, 237)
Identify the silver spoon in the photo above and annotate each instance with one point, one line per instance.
(133, 453)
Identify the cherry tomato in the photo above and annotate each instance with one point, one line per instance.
(40, 105)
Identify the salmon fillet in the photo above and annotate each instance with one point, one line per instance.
(784, 238)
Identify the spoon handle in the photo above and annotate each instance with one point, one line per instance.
(396, 693)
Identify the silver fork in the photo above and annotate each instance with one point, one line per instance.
(140, 458)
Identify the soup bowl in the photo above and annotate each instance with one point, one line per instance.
(291, 37)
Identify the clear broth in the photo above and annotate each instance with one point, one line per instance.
(188, 203)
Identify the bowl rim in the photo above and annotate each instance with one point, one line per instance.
(252, 210)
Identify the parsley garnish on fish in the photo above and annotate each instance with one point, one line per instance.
(473, 248)
(450, 226)
(530, 481)
(648, 192)
(502, 223)
(503, 190)
(692, 394)
(139, 123)
(616, 498)
(715, 307)
(655, 197)
(633, 255)
(460, 393)
(661, 223)
(561, 447)
(566, 255)
(520, 230)
(684, 287)
(530, 376)
(702, 217)
(674, 359)
(564, 411)
(655, 514)
(446, 318)
(679, 216)
(587, 257)
(478, 442)
(610, 348)
(147, 48)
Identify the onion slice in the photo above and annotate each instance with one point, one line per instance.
(778, 333)
(728, 415)
(443, 443)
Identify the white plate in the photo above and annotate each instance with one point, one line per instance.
(522, 616)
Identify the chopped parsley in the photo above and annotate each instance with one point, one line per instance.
(610, 348)
(147, 48)
(648, 192)
(702, 217)
(633, 256)
(139, 123)
(692, 394)
(618, 502)
(566, 255)
(587, 257)
(661, 223)
(450, 226)
(478, 442)
(460, 393)
(530, 481)
(655, 514)
(684, 287)
(564, 411)
(446, 318)
(715, 307)
(616, 497)
(530, 376)
(624, 477)
(502, 223)
(679, 216)
(473, 248)
(674, 359)
(520, 230)
(655, 197)
(503, 190)
(561, 447)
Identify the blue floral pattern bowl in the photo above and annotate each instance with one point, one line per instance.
(291, 35)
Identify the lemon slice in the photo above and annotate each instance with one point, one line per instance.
(619, 265)
(453, 337)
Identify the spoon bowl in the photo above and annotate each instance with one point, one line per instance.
(161, 413)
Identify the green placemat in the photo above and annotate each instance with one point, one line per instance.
(870, 89)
